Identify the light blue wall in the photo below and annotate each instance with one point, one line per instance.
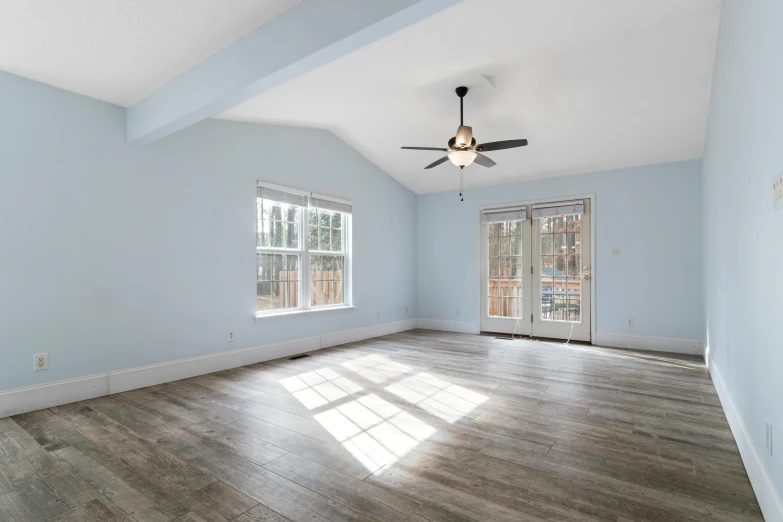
(743, 235)
(652, 214)
(114, 256)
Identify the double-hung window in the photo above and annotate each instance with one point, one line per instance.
(302, 251)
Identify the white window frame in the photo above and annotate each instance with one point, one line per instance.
(304, 253)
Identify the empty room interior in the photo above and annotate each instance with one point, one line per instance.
(399, 260)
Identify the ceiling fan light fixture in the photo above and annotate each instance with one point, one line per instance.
(462, 158)
(464, 136)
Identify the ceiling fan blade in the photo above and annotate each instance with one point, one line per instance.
(424, 148)
(435, 164)
(484, 161)
(500, 145)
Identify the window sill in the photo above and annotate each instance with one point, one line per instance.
(311, 311)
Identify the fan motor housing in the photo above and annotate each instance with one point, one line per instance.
(453, 142)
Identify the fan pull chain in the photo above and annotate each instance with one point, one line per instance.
(460, 184)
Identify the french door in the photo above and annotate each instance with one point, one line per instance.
(535, 270)
(506, 276)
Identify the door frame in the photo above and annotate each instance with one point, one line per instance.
(553, 199)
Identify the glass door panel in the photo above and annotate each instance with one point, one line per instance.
(505, 253)
(562, 276)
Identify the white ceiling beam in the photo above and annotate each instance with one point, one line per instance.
(301, 39)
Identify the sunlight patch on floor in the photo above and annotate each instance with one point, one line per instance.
(376, 368)
(320, 387)
(439, 397)
(376, 432)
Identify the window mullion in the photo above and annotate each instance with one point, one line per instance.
(305, 261)
(347, 279)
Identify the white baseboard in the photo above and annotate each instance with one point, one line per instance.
(31, 398)
(143, 376)
(766, 493)
(360, 334)
(449, 326)
(654, 344)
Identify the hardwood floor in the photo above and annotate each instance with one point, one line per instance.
(417, 426)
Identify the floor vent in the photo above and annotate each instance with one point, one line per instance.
(301, 356)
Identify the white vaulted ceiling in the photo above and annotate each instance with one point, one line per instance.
(121, 50)
(593, 84)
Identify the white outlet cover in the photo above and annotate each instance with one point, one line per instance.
(44, 363)
(230, 336)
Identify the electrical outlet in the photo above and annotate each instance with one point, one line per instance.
(615, 251)
(457, 311)
(377, 315)
(40, 362)
(769, 437)
(230, 336)
(406, 310)
(629, 322)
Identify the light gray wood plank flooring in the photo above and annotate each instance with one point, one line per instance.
(418, 426)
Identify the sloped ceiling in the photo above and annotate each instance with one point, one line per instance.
(593, 84)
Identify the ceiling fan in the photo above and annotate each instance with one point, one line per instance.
(462, 149)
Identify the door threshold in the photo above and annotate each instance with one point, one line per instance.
(505, 336)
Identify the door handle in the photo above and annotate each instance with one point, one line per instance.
(585, 277)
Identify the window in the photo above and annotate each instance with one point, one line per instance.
(327, 260)
(302, 251)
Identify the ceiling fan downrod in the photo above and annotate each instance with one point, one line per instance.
(461, 92)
